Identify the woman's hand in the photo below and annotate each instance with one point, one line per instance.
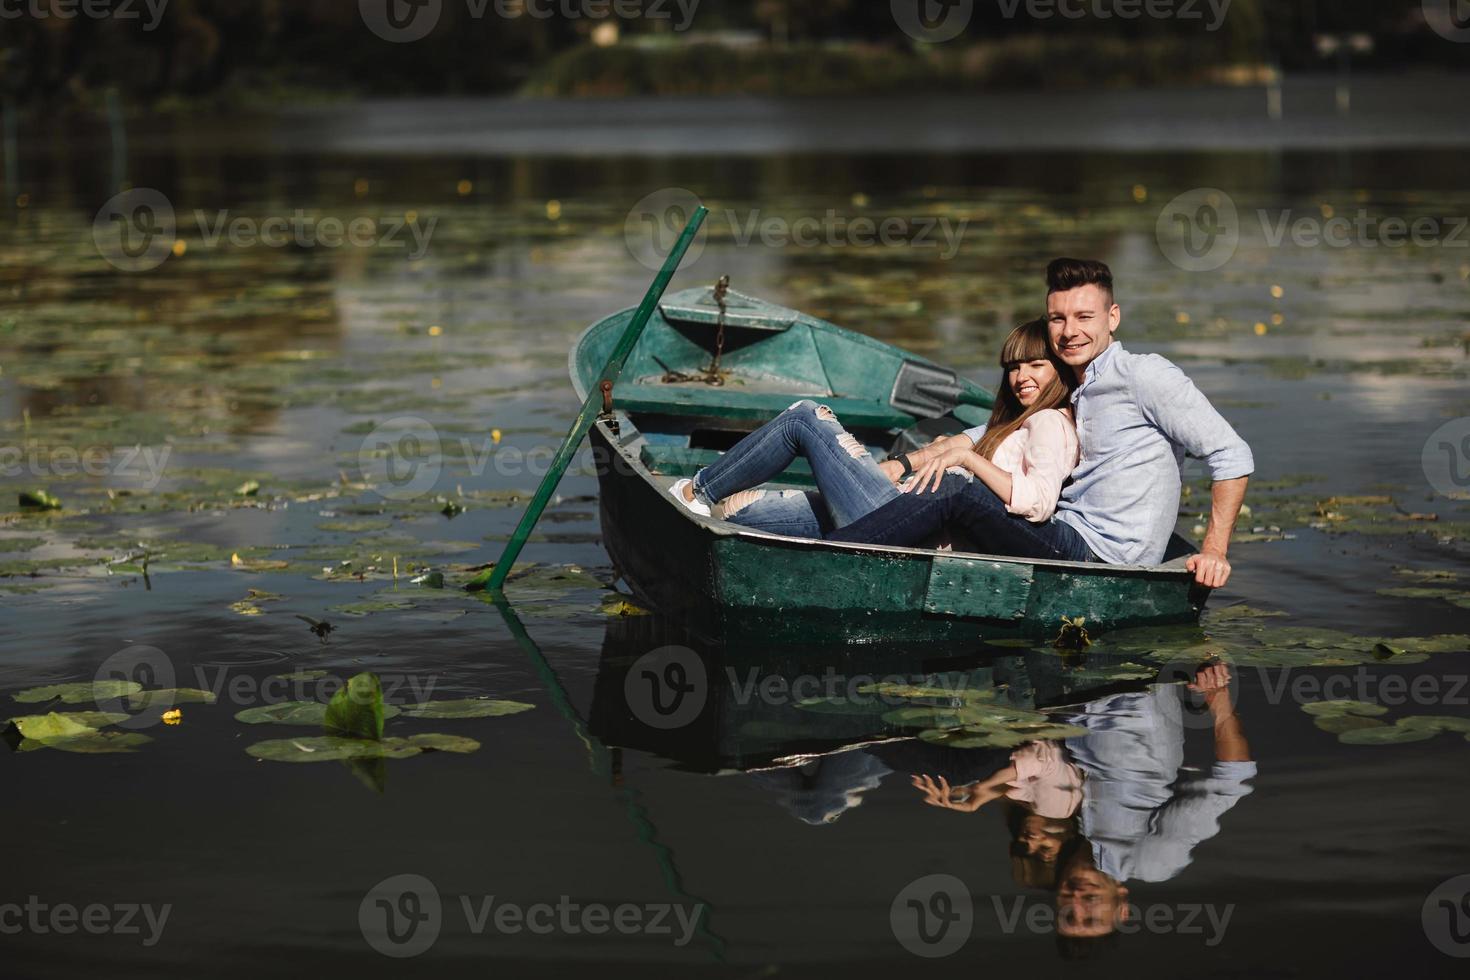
(965, 799)
(892, 469)
(931, 472)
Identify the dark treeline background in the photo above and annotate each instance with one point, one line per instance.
(269, 51)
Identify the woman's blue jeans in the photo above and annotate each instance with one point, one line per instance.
(849, 482)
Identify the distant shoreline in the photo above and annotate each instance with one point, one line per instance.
(1393, 112)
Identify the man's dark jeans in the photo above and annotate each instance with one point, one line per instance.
(975, 510)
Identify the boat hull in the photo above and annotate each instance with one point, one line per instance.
(727, 583)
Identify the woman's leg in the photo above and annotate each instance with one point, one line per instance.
(977, 511)
(798, 513)
(850, 482)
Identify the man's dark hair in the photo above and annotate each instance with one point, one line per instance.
(1065, 274)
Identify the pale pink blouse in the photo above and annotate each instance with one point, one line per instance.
(1039, 456)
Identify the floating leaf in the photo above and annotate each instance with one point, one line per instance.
(248, 489)
(1436, 723)
(1387, 735)
(80, 692)
(296, 713)
(465, 708)
(38, 500)
(170, 696)
(1337, 724)
(1344, 707)
(257, 564)
(357, 709)
(300, 675)
(334, 748)
(90, 742)
(64, 724)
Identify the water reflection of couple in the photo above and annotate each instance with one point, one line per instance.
(1086, 815)
(1079, 461)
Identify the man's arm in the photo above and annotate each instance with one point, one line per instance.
(1210, 567)
(1170, 401)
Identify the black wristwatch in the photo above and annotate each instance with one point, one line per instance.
(908, 468)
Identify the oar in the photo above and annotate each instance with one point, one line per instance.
(493, 578)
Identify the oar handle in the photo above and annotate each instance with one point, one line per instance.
(593, 404)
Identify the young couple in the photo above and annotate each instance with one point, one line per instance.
(1079, 461)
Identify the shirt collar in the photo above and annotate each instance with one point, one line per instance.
(1098, 364)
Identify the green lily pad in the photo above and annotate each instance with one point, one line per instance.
(300, 675)
(1436, 723)
(999, 738)
(64, 724)
(78, 693)
(357, 709)
(169, 696)
(1344, 707)
(297, 713)
(38, 500)
(466, 708)
(1387, 735)
(1337, 724)
(336, 748)
(91, 742)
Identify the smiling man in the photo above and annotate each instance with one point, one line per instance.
(1137, 417)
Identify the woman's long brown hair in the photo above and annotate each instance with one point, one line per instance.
(1028, 342)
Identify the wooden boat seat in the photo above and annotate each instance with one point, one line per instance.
(750, 406)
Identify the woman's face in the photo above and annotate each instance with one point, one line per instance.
(1029, 379)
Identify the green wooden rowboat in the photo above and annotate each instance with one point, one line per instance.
(728, 582)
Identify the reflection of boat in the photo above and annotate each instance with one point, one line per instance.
(709, 709)
(727, 581)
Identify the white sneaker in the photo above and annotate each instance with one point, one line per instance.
(695, 506)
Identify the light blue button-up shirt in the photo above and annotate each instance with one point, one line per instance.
(1137, 417)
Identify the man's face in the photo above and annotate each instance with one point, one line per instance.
(1082, 322)
(1089, 903)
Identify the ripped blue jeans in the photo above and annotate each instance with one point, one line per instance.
(849, 482)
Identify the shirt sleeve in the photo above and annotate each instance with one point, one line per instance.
(1048, 459)
(976, 433)
(1169, 400)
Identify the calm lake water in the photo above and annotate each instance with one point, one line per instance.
(151, 402)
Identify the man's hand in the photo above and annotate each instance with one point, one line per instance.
(1210, 568)
(892, 469)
